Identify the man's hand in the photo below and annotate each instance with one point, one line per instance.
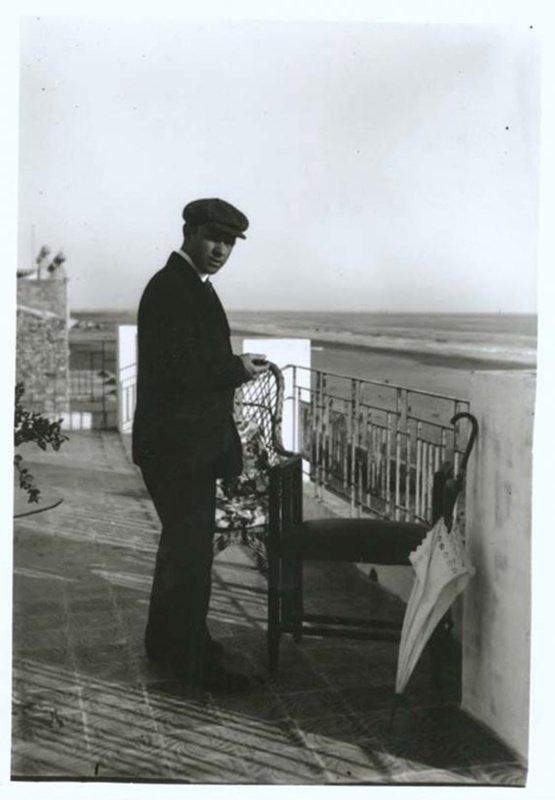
(254, 364)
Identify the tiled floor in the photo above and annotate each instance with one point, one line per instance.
(87, 705)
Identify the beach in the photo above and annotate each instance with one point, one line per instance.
(432, 352)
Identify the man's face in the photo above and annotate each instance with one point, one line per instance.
(210, 248)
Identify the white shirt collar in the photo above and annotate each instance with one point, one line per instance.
(190, 261)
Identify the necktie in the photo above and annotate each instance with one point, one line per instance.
(210, 292)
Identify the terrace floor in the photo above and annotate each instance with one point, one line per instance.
(87, 704)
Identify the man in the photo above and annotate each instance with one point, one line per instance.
(184, 436)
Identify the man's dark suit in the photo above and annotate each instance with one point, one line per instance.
(184, 437)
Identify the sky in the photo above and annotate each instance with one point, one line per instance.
(382, 167)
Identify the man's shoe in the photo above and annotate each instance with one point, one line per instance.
(214, 652)
(218, 679)
(158, 655)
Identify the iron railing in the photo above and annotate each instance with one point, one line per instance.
(372, 444)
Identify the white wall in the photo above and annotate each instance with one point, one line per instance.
(283, 352)
(127, 376)
(496, 618)
(280, 351)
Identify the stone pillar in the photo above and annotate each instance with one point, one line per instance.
(496, 618)
(42, 352)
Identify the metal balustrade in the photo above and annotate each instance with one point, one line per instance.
(374, 444)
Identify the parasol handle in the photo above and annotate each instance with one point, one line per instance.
(398, 699)
(472, 438)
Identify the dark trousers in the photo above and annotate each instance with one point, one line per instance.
(185, 503)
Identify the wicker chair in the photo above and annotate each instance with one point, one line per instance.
(244, 505)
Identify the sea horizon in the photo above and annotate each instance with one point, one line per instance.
(443, 312)
(472, 339)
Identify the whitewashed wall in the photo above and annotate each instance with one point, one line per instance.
(127, 376)
(283, 352)
(280, 351)
(496, 618)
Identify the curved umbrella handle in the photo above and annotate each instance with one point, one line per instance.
(473, 434)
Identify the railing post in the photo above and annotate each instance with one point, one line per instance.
(296, 406)
(368, 445)
(327, 437)
(402, 407)
(408, 454)
(318, 418)
(418, 479)
(397, 472)
(353, 439)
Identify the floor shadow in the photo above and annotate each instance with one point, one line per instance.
(88, 705)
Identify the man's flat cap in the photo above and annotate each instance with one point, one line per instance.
(222, 215)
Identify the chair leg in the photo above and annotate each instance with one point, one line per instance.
(297, 610)
(274, 633)
(274, 613)
(439, 650)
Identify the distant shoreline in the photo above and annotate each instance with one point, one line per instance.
(451, 360)
(432, 352)
(113, 313)
(430, 359)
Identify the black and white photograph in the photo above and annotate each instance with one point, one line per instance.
(275, 301)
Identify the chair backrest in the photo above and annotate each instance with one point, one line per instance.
(261, 401)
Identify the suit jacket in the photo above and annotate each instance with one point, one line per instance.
(187, 375)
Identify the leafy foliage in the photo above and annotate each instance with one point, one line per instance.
(30, 426)
(43, 255)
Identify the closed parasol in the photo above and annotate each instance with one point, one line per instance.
(442, 571)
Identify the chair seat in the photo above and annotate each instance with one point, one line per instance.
(370, 541)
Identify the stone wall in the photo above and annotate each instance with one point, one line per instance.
(42, 355)
(496, 623)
